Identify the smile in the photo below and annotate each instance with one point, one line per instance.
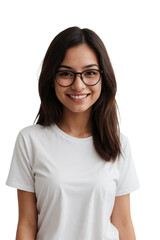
(77, 97)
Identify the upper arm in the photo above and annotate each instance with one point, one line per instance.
(27, 208)
(121, 211)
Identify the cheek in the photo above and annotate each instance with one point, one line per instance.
(60, 93)
(97, 90)
(57, 91)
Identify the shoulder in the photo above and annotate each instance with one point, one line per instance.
(34, 131)
(31, 129)
(125, 148)
(123, 140)
(34, 137)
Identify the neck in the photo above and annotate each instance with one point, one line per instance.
(76, 124)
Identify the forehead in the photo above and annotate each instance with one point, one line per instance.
(79, 56)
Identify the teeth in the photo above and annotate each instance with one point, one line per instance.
(78, 97)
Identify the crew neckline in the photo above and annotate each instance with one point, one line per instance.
(69, 137)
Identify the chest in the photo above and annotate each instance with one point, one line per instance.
(76, 169)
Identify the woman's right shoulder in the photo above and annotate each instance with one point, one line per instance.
(34, 129)
(30, 128)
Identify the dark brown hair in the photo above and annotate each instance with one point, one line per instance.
(105, 126)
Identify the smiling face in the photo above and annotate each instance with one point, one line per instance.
(78, 97)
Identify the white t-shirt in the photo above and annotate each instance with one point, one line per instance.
(74, 186)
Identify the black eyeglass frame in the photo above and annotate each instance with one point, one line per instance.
(75, 73)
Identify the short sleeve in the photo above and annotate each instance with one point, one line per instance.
(128, 180)
(21, 174)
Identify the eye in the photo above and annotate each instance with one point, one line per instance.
(90, 73)
(65, 74)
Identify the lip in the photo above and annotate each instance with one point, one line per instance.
(78, 100)
(78, 94)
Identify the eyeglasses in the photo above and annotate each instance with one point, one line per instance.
(66, 78)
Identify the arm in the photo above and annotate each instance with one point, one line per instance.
(121, 218)
(27, 223)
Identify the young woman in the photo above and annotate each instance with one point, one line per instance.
(73, 169)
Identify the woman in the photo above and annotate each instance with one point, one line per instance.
(73, 169)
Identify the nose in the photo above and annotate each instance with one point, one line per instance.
(78, 83)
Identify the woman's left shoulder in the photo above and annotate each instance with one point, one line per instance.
(123, 139)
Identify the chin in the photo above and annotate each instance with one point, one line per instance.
(78, 110)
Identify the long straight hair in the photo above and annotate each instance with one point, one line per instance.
(105, 126)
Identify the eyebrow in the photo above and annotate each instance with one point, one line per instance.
(90, 65)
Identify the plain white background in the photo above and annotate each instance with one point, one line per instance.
(130, 31)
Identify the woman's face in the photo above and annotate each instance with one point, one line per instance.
(77, 59)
